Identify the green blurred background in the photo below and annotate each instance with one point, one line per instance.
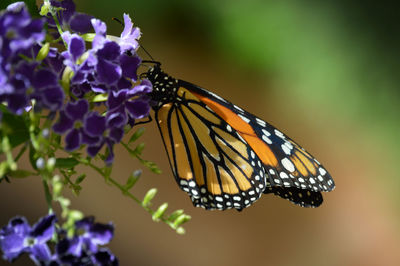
(324, 72)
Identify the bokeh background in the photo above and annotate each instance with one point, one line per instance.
(324, 72)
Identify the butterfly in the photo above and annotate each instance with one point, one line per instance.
(224, 157)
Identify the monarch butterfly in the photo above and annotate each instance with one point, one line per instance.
(225, 157)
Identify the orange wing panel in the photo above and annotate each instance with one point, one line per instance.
(244, 129)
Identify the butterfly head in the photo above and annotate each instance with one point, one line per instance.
(164, 86)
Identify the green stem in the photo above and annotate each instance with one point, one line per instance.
(23, 149)
(127, 193)
(59, 27)
(49, 198)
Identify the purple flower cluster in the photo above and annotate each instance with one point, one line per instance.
(20, 79)
(19, 237)
(109, 68)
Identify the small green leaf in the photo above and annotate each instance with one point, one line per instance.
(152, 166)
(20, 173)
(100, 98)
(43, 52)
(88, 37)
(133, 178)
(80, 179)
(183, 218)
(174, 215)
(149, 196)
(160, 212)
(136, 135)
(66, 162)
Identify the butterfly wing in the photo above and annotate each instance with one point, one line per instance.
(210, 160)
(286, 163)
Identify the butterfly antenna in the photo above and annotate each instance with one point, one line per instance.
(147, 53)
(119, 21)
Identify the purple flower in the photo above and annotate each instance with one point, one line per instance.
(72, 122)
(69, 18)
(129, 35)
(84, 245)
(18, 237)
(121, 106)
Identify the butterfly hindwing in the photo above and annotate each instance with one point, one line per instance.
(210, 161)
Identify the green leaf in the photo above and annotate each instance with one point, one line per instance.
(66, 162)
(136, 135)
(80, 179)
(139, 149)
(20, 173)
(152, 166)
(14, 126)
(133, 178)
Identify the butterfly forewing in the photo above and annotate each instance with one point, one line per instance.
(287, 164)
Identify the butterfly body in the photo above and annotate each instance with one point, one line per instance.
(225, 157)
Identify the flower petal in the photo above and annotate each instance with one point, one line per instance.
(77, 110)
(94, 124)
(73, 140)
(63, 124)
(44, 229)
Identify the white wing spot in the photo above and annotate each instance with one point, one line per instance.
(320, 178)
(252, 154)
(279, 134)
(245, 119)
(266, 133)
(261, 122)
(283, 175)
(192, 184)
(218, 198)
(288, 165)
(183, 183)
(272, 172)
(238, 108)
(237, 198)
(312, 181)
(286, 149)
(228, 127)
(322, 171)
(266, 139)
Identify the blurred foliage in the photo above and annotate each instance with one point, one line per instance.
(341, 57)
